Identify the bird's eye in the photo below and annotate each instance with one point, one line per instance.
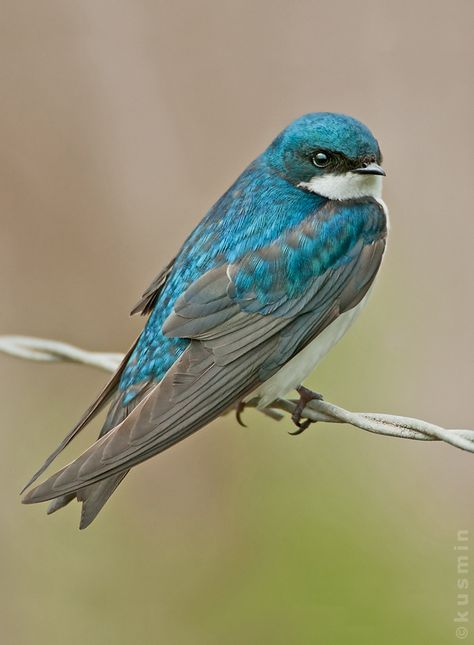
(321, 159)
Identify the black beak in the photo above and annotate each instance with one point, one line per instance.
(370, 169)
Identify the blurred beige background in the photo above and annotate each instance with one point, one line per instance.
(120, 124)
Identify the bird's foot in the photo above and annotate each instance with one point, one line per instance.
(305, 397)
(239, 408)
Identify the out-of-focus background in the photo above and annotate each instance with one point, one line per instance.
(120, 124)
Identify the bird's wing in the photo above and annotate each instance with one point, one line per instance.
(118, 411)
(95, 496)
(244, 322)
(149, 297)
(144, 306)
(104, 396)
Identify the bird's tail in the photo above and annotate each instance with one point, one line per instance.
(93, 498)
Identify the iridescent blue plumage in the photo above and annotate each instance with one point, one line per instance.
(256, 210)
(267, 282)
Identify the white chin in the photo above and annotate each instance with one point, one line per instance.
(350, 185)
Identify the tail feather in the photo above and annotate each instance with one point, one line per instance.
(60, 502)
(94, 497)
(100, 402)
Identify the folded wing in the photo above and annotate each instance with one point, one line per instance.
(244, 320)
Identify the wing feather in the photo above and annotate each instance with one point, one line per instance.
(233, 348)
(149, 297)
(94, 409)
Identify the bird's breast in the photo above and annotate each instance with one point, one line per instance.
(300, 366)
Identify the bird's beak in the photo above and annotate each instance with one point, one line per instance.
(370, 169)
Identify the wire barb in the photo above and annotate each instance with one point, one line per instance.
(390, 425)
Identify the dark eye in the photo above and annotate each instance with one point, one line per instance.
(320, 159)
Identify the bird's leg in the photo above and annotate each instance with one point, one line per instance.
(305, 397)
(241, 405)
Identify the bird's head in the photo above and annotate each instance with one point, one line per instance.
(330, 154)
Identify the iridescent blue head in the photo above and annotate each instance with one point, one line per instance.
(331, 154)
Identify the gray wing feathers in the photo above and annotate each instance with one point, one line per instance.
(95, 496)
(94, 409)
(150, 296)
(230, 353)
(356, 280)
(170, 413)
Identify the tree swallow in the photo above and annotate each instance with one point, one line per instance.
(264, 286)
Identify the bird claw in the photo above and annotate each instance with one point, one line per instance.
(306, 396)
(301, 427)
(239, 408)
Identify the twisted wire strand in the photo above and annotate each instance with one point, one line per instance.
(53, 351)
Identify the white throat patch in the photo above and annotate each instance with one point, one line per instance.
(350, 185)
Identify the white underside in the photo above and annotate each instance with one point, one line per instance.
(300, 367)
(291, 375)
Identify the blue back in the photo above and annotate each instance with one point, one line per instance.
(259, 208)
(254, 212)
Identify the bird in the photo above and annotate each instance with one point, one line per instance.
(269, 280)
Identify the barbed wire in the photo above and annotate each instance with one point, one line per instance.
(53, 351)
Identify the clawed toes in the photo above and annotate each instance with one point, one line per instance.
(305, 397)
(240, 407)
(301, 426)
